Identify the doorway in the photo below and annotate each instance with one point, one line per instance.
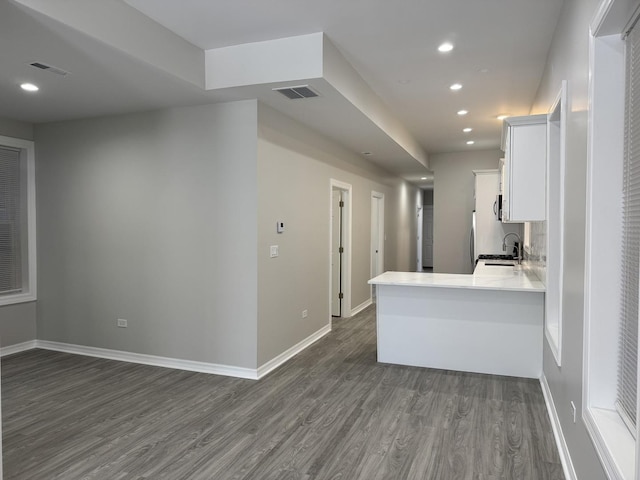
(427, 237)
(340, 250)
(377, 234)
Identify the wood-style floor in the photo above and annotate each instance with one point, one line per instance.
(332, 412)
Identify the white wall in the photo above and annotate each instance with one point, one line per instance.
(295, 166)
(17, 322)
(452, 206)
(569, 60)
(152, 218)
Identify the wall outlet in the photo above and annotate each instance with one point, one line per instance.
(122, 323)
(305, 313)
(573, 411)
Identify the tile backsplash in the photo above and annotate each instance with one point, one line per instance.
(536, 248)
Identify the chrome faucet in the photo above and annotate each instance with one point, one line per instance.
(518, 245)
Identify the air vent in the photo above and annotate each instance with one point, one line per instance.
(49, 68)
(295, 93)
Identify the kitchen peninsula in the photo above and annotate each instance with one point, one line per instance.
(487, 322)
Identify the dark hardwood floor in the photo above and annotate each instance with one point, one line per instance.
(332, 412)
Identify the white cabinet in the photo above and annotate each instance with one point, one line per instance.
(524, 169)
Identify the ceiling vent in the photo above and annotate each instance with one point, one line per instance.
(295, 93)
(49, 68)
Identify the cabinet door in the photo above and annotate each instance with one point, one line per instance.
(524, 172)
(527, 171)
(506, 179)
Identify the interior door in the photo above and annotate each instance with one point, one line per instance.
(336, 253)
(420, 229)
(377, 234)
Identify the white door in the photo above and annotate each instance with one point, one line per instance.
(419, 241)
(377, 234)
(427, 218)
(336, 253)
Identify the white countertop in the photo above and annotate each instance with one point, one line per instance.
(484, 278)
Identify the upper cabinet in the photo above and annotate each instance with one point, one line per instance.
(524, 141)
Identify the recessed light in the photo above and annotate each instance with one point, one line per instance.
(29, 87)
(467, 130)
(502, 117)
(445, 47)
(484, 70)
(462, 112)
(455, 86)
(470, 142)
(404, 82)
(423, 178)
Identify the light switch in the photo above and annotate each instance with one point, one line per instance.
(274, 251)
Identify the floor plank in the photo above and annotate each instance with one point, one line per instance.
(332, 412)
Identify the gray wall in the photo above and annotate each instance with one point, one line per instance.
(295, 166)
(18, 321)
(452, 206)
(152, 218)
(569, 60)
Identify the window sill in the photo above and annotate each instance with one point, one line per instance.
(18, 298)
(614, 443)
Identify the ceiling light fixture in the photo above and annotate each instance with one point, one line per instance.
(29, 87)
(467, 130)
(462, 112)
(470, 142)
(455, 86)
(445, 47)
(502, 117)
(423, 178)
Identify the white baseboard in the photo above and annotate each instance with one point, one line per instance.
(190, 365)
(563, 449)
(17, 348)
(288, 354)
(361, 307)
(167, 362)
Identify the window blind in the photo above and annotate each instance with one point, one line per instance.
(11, 206)
(630, 269)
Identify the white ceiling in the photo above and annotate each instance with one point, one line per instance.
(499, 56)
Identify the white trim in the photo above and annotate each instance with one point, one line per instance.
(361, 307)
(555, 243)
(168, 362)
(154, 360)
(347, 189)
(18, 347)
(612, 442)
(601, 14)
(291, 352)
(607, 430)
(28, 148)
(563, 449)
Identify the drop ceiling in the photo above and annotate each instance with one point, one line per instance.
(136, 55)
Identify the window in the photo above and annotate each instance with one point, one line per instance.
(611, 270)
(17, 221)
